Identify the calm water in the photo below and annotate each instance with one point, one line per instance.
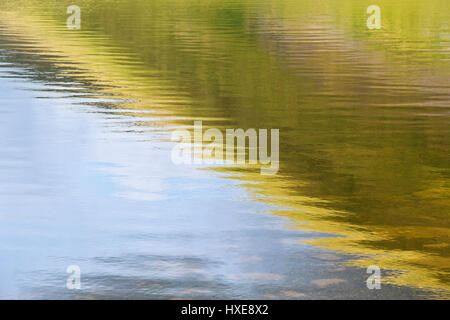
(87, 179)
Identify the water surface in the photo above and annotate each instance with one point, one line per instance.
(86, 117)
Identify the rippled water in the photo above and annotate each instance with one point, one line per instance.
(86, 174)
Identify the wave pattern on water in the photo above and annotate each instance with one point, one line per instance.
(363, 116)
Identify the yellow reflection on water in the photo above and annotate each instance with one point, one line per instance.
(386, 208)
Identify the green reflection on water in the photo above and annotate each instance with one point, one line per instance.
(363, 114)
